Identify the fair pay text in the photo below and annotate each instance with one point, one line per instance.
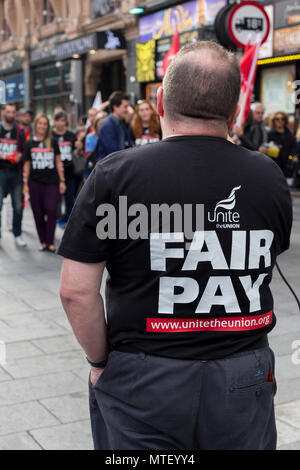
(250, 250)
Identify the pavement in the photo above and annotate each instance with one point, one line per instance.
(43, 385)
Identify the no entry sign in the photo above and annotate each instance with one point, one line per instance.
(247, 22)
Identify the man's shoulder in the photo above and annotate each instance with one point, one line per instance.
(70, 135)
(272, 131)
(90, 137)
(109, 122)
(265, 173)
(28, 144)
(256, 126)
(137, 154)
(136, 158)
(259, 161)
(54, 141)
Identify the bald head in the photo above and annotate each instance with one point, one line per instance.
(202, 83)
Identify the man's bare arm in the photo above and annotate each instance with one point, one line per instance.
(83, 304)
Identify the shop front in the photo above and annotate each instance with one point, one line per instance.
(106, 67)
(193, 20)
(279, 69)
(69, 74)
(53, 86)
(57, 75)
(15, 89)
(11, 73)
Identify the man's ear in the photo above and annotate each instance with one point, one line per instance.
(160, 104)
(231, 121)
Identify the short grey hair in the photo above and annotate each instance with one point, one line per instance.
(256, 105)
(202, 82)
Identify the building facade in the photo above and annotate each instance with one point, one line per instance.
(63, 52)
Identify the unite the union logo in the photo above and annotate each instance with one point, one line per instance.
(223, 214)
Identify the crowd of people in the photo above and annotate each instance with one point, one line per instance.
(48, 164)
(272, 136)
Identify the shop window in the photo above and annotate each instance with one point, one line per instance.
(39, 107)
(67, 76)
(38, 88)
(52, 81)
(51, 88)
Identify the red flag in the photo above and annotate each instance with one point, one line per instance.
(248, 45)
(248, 71)
(246, 62)
(171, 52)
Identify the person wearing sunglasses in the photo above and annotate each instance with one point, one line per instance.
(284, 139)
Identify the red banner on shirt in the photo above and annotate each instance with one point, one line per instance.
(186, 325)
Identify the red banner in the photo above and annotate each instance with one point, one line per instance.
(248, 67)
(171, 52)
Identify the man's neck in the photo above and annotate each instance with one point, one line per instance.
(116, 116)
(59, 132)
(195, 128)
(197, 131)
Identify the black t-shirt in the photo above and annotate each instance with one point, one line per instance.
(202, 300)
(43, 161)
(66, 143)
(11, 142)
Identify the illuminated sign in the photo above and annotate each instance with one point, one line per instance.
(185, 17)
(145, 61)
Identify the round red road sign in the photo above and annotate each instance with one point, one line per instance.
(247, 22)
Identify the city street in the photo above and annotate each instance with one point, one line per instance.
(43, 385)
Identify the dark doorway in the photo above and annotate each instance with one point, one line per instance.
(112, 78)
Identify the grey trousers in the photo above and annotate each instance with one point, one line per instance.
(144, 402)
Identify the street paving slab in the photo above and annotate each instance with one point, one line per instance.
(43, 382)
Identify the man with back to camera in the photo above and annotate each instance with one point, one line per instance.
(184, 360)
